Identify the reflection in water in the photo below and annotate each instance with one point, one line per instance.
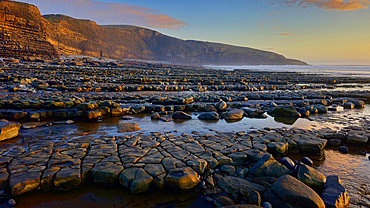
(286, 120)
(353, 169)
(91, 196)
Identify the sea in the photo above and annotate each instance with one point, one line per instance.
(335, 70)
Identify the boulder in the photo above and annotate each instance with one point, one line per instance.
(311, 177)
(334, 194)
(221, 106)
(321, 108)
(232, 184)
(359, 103)
(290, 191)
(223, 201)
(268, 166)
(128, 127)
(289, 163)
(209, 116)
(180, 115)
(181, 179)
(8, 129)
(285, 111)
(227, 169)
(252, 112)
(155, 116)
(348, 105)
(235, 114)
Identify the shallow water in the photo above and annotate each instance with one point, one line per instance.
(353, 168)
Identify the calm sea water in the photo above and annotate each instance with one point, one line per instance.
(334, 70)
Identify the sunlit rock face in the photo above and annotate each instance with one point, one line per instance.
(23, 32)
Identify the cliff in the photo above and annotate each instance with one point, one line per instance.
(23, 31)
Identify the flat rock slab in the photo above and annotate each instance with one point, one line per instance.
(128, 127)
(24, 182)
(8, 129)
(268, 166)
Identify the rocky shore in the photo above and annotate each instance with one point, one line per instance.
(251, 168)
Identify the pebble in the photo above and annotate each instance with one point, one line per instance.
(11, 202)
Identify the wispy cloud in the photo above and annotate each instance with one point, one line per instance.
(108, 13)
(344, 5)
(260, 24)
(277, 27)
(272, 21)
(282, 34)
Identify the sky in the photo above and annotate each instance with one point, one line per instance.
(320, 32)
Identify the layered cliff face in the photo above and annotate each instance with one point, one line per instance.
(23, 32)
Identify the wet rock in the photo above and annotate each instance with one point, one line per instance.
(266, 205)
(92, 115)
(155, 116)
(278, 147)
(255, 155)
(334, 194)
(359, 103)
(290, 191)
(128, 127)
(268, 166)
(235, 114)
(232, 184)
(307, 161)
(223, 201)
(355, 138)
(285, 111)
(334, 142)
(343, 149)
(254, 198)
(252, 112)
(154, 169)
(24, 182)
(106, 173)
(8, 129)
(67, 178)
(141, 183)
(311, 177)
(12, 202)
(238, 157)
(209, 116)
(221, 106)
(209, 108)
(180, 115)
(348, 105)
(182, 179)
(321, 108)
(289, 163)
(313, 145)
(227, 169)
(127, 176)
(127, 118)
(198, 165)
